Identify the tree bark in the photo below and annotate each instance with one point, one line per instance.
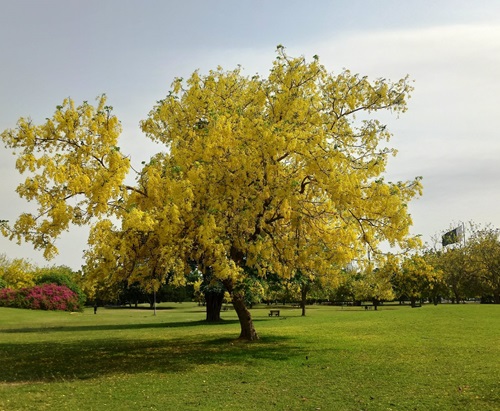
(213, 304)
(303, 300)
(247, 329)
(246, 324)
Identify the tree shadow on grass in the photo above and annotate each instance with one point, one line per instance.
(117, 327)
(75, 360)
(133, 308)
(113, 327)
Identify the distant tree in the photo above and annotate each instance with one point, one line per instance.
(484, 252)
(313, 286)
(274, 287)
(415, 278)
(16, 273)
(374, 284)
(132, 294)
(176, 294)
(458, 273)
(440, 289)
(343, 293)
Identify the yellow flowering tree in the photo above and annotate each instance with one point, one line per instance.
(258, 175)
(74, 170)
(374, 284)
(16, 273)
(416, 279)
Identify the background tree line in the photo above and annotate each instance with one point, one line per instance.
(466, 270)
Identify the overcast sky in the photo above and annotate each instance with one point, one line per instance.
(132, 50)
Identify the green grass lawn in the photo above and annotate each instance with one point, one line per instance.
(444, 357)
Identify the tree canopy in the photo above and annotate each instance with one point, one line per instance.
(273, 174)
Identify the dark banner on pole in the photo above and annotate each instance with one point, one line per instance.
(451, 237)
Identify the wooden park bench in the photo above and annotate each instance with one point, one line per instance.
(274, 312)
(368, 307)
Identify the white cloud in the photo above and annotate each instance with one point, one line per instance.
(449, 135)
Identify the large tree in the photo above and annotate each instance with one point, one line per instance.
(259, 175)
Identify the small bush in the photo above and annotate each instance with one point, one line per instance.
(8, 297)
(41, 297)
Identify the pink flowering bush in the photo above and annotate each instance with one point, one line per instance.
(8, 297)
(41, 297)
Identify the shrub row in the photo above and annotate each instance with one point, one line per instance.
(41, 297)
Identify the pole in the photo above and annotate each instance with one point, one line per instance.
(154, 301)
(463, 232)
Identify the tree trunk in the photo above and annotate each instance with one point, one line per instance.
(496, 298)
(247, 329)
(213, 302)
(246, 324)
(413, 301)
(303, 294)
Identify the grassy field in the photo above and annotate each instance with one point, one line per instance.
(443, 357)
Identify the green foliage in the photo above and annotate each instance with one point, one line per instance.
(484, 251)
(252, 289)
(471, 269)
